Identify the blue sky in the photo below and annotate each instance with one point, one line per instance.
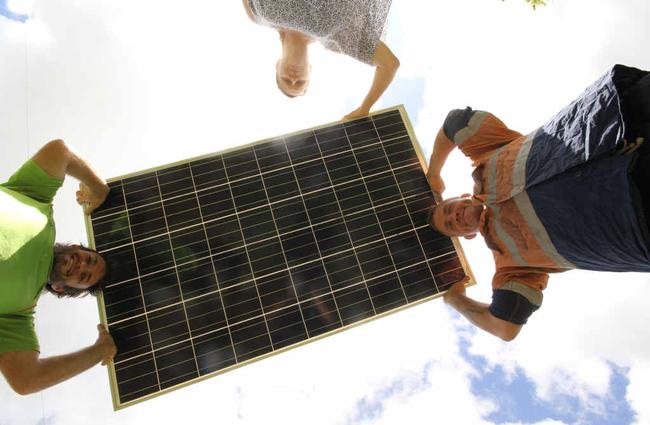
(516, 399)
(129, 96)
(407, 91)
(10, 14)
(371, 407)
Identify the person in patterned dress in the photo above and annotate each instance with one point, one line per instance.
(353, 28)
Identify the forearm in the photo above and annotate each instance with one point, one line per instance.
(56, 159)
(26, 373)
(78, 168)
(479, 315)
(54, 370)
(386, 65)
(381, 81)
(442, 147)
(474, 311)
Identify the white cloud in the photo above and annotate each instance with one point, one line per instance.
(638, 390)
(20, 7)
(568, 351)
(544, 422)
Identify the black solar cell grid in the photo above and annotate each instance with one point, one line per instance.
(223, 259)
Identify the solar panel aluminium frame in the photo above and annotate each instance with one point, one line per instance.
(117, 405)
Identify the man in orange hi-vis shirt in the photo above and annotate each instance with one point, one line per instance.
(573, 194)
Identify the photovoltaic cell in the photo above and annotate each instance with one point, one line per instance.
(221, 260)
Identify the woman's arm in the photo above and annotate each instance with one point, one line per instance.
(386, 64)
(249, 12)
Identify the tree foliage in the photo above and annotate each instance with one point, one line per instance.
(535, 3)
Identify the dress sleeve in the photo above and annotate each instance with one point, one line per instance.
(358, 46)
(17, 333)
(31, 180)
(477, 133)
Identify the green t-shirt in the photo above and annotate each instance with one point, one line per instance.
(26, 255)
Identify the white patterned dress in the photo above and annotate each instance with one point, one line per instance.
(351, 27)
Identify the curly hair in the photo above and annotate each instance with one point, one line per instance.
(76, 292)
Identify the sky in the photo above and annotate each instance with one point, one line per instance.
(136, 84)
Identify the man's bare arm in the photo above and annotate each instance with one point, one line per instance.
(479, 314)
(57, 160)
(26, 373)
(442, 147)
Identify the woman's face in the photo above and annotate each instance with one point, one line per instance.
(293, 76)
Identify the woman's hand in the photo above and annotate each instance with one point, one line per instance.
(357, 113)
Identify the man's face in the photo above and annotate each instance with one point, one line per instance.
(459, 216)
(77, 267)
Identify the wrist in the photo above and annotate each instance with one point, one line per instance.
(452, 298)
(104, 189)
(100, 348)
(434, 168)
(104, 352)
(365, 107)
(100, 189)
(432, 174)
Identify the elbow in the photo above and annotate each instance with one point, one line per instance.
(22, 386)
(23, 391)
(507, 337)
(57, 147)
(509, 332)
(55, 157)
(392, 61)
(387, 63)
(55, 151)
(393, 64)
(23, 379)
(22, 371)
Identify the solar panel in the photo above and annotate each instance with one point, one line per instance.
(221, 260)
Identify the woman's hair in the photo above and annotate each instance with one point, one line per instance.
(277, 81)
(75, 292)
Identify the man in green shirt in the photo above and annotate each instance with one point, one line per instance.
(31, 262)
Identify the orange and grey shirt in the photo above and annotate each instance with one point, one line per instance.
(556, 199)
